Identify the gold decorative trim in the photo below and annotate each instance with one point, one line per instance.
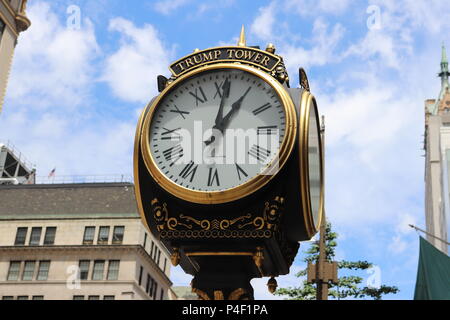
(307, 102)
(243, 190)
(201, 294)
(258, 257)
(175, 257)
(219, 295)
(200, 254)
(272, 285)
(267, 222)
(237, 294)
(304, 83)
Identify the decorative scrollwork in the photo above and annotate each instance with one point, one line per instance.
(188, 226)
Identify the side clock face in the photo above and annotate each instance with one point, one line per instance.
(213, 136)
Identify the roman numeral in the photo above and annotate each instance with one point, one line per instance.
(213, 176)
(239, 171)
(259, 153)
(262, 108)
(170, 134)
(173, 153)
(176, 110)
(189, 170)
(202, 99)
(218, 89)
(268, 130)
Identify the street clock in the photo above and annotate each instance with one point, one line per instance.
(228, 167)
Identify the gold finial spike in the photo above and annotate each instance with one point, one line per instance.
(242, 42)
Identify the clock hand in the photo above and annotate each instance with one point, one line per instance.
(225, 94)
(219, 117)
(234, 108)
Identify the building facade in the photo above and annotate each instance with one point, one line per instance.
(437, 161)
(78, 241)
(13, 21)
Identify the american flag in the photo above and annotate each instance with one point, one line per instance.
(52, 173)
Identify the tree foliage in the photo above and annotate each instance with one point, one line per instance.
(347, 286)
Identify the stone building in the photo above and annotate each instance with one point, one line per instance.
(78, 241)
(437, 161)
(12, 22)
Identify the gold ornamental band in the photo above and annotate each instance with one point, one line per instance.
(238, 192)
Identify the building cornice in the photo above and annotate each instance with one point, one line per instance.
(87, 216)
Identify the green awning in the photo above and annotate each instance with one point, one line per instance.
(433, 274)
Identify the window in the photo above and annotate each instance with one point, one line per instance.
(161, 295)
(108, 297)
(145, 241)
(103, 235)
(159, 257)
(78, 297)
(7, 298)
(84, 269)
(141, 270)
(165, 265)
(94, 298)
(37, 298)
(147, 286)
(2, 28)
(155, 290)
(151, 250)
(118, 234)
(21, 235)
(150, 285)
(113, 270)
(22, 298)
(28, 270)
(49, 235)
(99, 266)
(88, 237)
(14, 270)
(44, 266)
(35, 238)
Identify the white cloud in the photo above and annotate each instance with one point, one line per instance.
(50, 114)
(315, 7)
(132, 70)
(52, 63)
(323, 45)
(166, 7)
(263, 24)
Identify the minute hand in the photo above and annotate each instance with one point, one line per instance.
(225, 94)
(234, 107)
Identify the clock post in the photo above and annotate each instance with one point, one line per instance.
(228, 168)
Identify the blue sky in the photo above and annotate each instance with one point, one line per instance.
(75, 94)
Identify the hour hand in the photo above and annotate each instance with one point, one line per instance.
(234, 108)
(225, 94)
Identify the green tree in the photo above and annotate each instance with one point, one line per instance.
(347, 286)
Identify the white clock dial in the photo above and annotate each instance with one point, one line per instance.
(230, 101)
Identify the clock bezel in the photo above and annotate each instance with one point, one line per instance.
(308, 101)
(242, 190)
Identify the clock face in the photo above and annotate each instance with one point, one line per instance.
(217, 129)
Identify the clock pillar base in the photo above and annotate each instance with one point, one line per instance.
(215, 286)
